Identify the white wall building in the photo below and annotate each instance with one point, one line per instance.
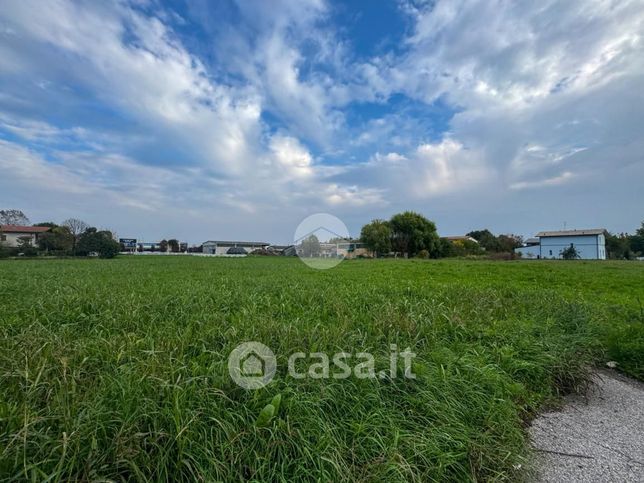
(218, 247)
(589, 244)
(11, 235)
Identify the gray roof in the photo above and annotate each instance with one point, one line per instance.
(593, 231)
(236, 243)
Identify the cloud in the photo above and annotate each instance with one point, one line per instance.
(554, 181)
(231, 111)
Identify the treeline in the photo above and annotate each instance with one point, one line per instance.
(72, 237)
(625, 246)
(410, 234)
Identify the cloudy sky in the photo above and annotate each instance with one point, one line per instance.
(225, 120)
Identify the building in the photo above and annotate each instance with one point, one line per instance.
(589, 244)
(12, 235)
(351, 250)
(530, 249)
(218, 247)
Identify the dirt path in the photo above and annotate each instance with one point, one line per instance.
(599, 437)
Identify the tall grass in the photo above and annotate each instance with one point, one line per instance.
(117, 369)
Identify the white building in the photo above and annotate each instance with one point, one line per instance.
(11, 235)
(218, 247)
(589, 244)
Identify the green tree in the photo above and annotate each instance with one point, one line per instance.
(570, 253)
(26, 248)
(446, 248)
(636, 244)
(463, 248)
(377, 236)
(100, 242)
(411, 232)
(311, 246)
(58, 239)
(507, 243)
(486, 240)
(618, 247)
(174, 245)
(163, 246)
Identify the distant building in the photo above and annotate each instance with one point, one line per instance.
(11, 235)
(589, 244)
(218, 247)
(353, 250)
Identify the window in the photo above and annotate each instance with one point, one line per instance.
(3, 237)
(550, 252)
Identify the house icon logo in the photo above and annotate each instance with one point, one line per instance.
(252, 365)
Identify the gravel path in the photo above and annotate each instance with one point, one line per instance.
(599, 437)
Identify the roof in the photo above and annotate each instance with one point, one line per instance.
(532, 241)
(23, 229)
(593, 231)
(236, 243)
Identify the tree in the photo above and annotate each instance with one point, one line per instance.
(163, 246)
(640, 230)
(619, 246)
(636, 243)
(486, 239)
(174, 245)
(26, 248)
(463, 248)
(570, 253)
(507, 243)
(311, 246)
(76, 228)
(412, 232)
(377, 236)
(58, 239)
(100, 242)
(13, 217)
(446, 248)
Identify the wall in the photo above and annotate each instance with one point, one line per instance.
(223, 249)
(12, 238)
(589, 247)
(528, 252)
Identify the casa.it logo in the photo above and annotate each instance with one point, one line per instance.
(252, 365)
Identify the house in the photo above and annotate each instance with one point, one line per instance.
(218, 247)
(590, 244)
(353, 250)
(12, 235)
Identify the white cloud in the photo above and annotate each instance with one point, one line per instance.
(554, 181)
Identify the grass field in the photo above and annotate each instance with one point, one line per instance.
(117, 369)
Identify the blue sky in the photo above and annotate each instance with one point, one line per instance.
(214, 120)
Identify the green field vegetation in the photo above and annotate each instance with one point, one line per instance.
(117, 369)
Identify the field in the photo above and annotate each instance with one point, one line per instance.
(117, 369)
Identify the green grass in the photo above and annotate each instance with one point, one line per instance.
(117, 369)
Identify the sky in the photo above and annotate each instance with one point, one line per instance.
(204, 120)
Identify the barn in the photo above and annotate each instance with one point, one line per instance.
(590, 244)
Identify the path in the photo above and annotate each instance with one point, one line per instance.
(599, 437)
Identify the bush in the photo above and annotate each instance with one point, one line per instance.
(423, 254)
